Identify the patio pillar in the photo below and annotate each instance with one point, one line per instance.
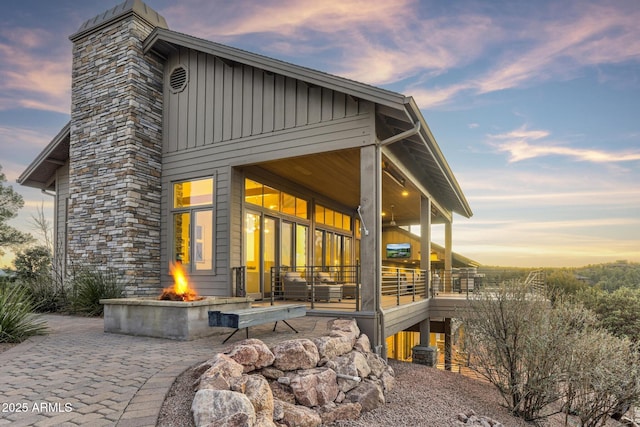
(425, 354)
(425, 241)
(370, 245)
(448, 265)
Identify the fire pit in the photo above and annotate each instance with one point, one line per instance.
(179, 313)
(180, 291)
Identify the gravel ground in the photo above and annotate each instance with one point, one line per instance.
(423, 397)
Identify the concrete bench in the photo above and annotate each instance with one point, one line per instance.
(245, 318)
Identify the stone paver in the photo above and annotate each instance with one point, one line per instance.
(79, 375)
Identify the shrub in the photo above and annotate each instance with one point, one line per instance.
(519, 343)
(17, 320)
(47, 295)
(89, 286)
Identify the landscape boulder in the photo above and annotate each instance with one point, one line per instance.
(332, 346)
(298, 382)
(295, 354)
(222, 408)
(219, 368)
(332, 412)
(252, 354)
(257, 389)
(363, 345)
(368, 394)
(353, 364)
(296, 415)
(348, 327)
(314, 387)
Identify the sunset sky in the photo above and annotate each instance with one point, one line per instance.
(535, 104)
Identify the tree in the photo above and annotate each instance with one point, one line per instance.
(537, 354)
(619, 312)
(10, 203)
(603, 377)
(43, 226)
(516, 343)
(33, 262)
(562, 284)
(520, 344)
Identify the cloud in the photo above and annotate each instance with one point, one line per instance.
(549, 44)
(372, 42)
(15, 161)
(34, 72)
(563, 243)
(285, 18)
(521, 144)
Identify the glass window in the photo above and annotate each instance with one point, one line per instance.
(252, 192)
(286, 249)
(319, 214)
(346, 222)
(203, 249)
(301, 245)
(271, 198)
(318, 245)
(288, 204)
(181, 230)
(274, 199)
(193, 193)
(193, 224)
(301, 208)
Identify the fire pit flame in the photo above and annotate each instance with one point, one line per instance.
(180, 291)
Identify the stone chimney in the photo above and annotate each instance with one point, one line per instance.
(116, 148)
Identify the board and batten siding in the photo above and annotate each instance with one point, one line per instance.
(230, 115)
(60, 224)
(224, 101)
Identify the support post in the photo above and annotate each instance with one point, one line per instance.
(425, 354)
(447, 344)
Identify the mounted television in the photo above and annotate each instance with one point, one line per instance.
(399, 250)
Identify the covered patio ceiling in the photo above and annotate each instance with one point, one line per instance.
(336, 176)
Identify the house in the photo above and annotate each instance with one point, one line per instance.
(233, 163)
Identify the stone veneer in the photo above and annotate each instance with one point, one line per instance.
(116, 152)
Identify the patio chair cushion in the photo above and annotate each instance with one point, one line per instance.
(324, 277)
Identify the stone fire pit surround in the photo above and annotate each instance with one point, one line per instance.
(179, 320)
(302, 382)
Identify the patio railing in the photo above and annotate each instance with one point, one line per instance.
(466, 281)
(399, 286)
(324, 285)
(402, 285)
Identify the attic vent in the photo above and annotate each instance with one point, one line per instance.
(178, 79)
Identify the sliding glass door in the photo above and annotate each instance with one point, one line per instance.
(271, 242)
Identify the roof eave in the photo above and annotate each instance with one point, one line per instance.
(25, 178)
(429, 140)
(159, 37)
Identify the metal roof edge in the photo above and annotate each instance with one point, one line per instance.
(46, 151)
(428, 138)
(308, 75)
(118, 13)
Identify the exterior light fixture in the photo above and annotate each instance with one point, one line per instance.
(393, 174)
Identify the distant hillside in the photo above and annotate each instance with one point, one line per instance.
(611, 276)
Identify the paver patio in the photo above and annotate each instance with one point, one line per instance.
(79, 375)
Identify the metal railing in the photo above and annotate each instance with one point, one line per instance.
(315, 284)
(466, 281)
(321, 284)
(404, 285)
(240, 280)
